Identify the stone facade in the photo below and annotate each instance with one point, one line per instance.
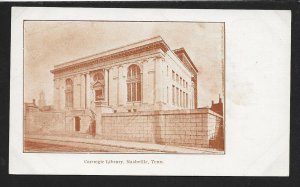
(144, 76)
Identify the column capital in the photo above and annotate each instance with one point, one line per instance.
(143, 61)
(158, 57)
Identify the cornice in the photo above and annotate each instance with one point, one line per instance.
(148, 47)
(191, 66)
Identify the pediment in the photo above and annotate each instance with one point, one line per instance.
(98, 84)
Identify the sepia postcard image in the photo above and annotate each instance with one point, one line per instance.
(124, 87)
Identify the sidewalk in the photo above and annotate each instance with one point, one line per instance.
(123, 145)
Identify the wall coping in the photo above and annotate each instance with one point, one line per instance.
(163, 112)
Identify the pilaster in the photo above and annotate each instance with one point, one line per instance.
(89, 93)
(62, 93)
(82, 91)
(76, 92)
(158, 80)
(106, 86)
(56, 94)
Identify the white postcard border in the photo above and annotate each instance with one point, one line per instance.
(257, 97)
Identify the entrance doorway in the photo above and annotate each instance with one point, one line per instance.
(77, 123)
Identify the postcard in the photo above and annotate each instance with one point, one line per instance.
(150, 92)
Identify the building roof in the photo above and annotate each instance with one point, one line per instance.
(137, 47)
(190, 62)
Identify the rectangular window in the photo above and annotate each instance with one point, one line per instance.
(183, 99)
(177, 96)
(180, 98)
(139, 91)
(98, 95)
(177, 78)
(180, 81)
(173, 75)
(133, 92)
(167, 94)
(187, 101)
(167, 70)
(173, 95)
(129, 92)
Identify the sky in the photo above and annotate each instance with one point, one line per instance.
(48, 43)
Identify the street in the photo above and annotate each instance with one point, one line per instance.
(48, 147)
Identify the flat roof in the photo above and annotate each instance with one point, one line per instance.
(123, 49)
(112, 51)
(182, 50)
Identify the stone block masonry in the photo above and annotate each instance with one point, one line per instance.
(38, 122)
(177, 127)
(192, 128)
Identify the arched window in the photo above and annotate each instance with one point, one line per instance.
(98, 86)
(69, 93)
(134, 83)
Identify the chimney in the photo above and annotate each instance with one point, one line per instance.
(212, 102)
(33, 101)
(220, 100)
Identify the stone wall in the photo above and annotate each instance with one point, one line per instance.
(46, 122)
(84, 121)
(178, 127)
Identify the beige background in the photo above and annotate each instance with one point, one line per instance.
(48, 43)
(257, 97)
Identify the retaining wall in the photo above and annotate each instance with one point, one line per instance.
(178, 127)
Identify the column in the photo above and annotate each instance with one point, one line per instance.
(192, 96)
(106, 86)
(62, 93)
(148, 82)
(82, 91)
(113, 86)
(89, 93)
(76, 92)
(122, 92)
(56, 96)
(158, 80)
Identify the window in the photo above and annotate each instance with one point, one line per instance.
(133, 83)
(180, 81)
(167, 70)
(180, 98)
(177, 96)
(177, 78)
(173, 95)
(98, 86)
(173, 75)
(167, 94)
(183, 99)
(69, 93)
(186, 101)
(98, 77)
